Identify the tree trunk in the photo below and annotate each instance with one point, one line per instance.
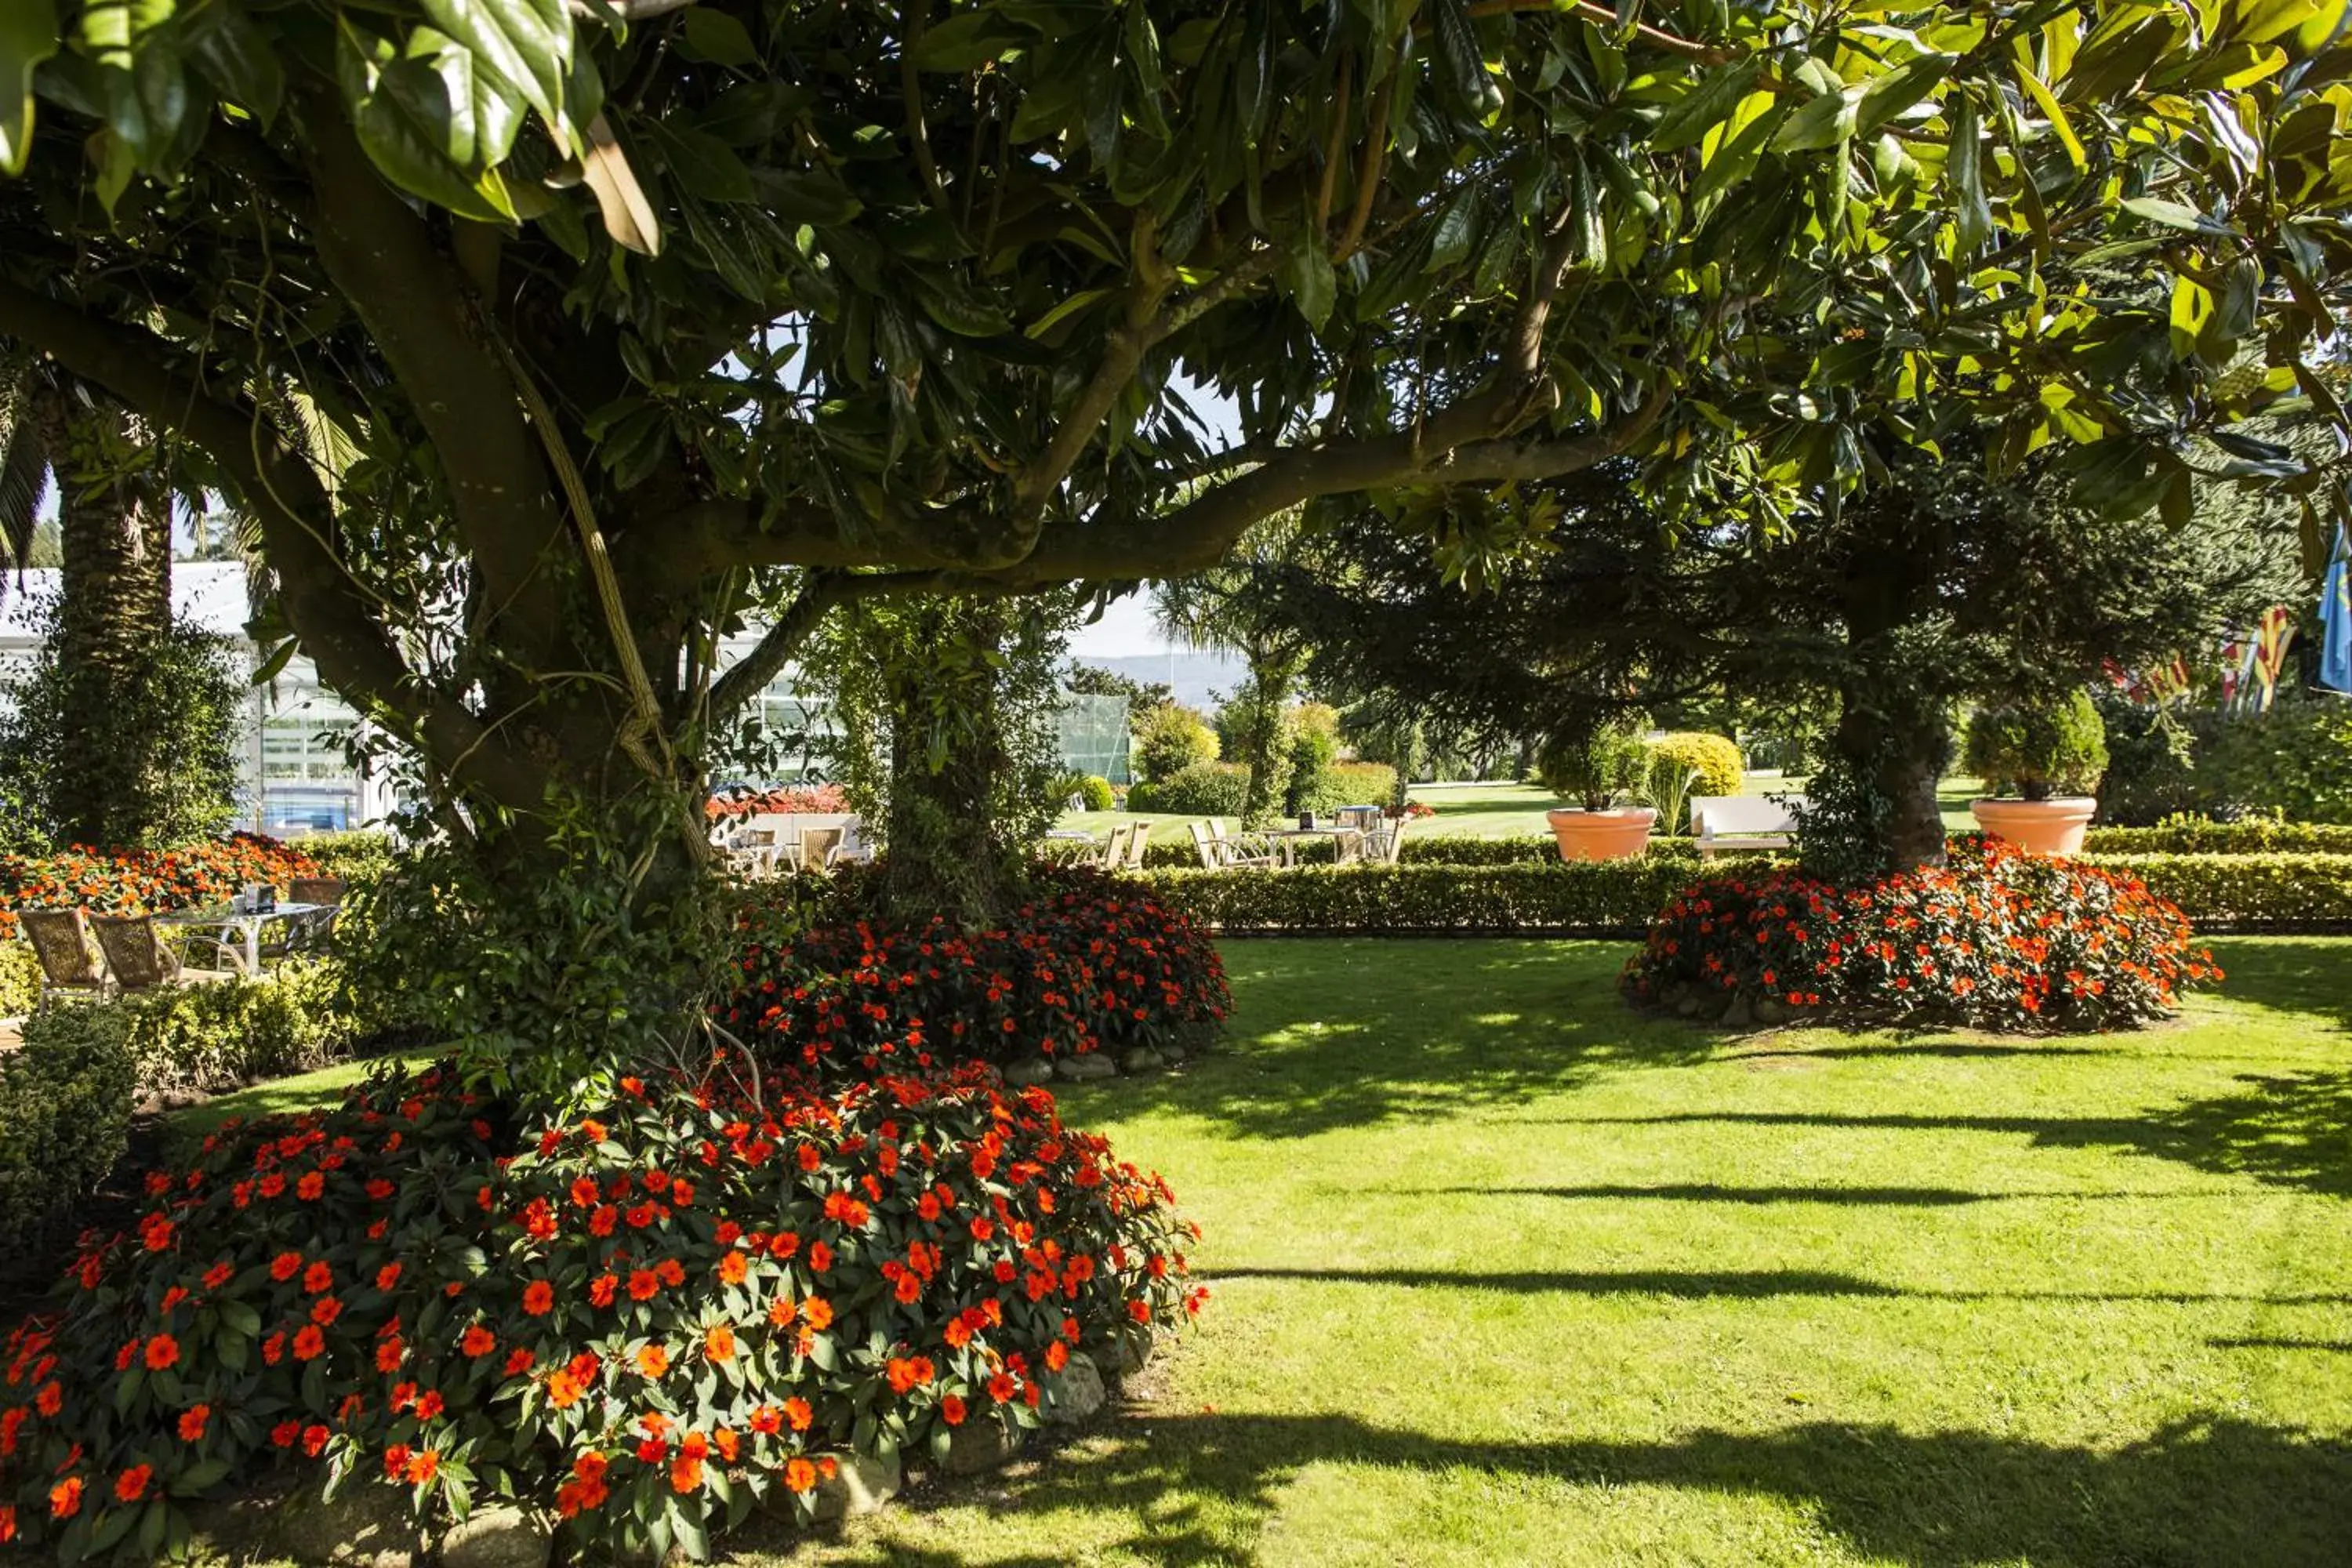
(1895, 742)
(114, 528)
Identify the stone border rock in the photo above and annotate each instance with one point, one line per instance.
(1094, 1065)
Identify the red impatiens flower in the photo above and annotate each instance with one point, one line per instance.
(163, 1350)
(539, 1298)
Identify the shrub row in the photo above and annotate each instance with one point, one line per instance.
(2254, 835)
(358, 856)
(145, 881)
(1619, 898)
(646, 1321)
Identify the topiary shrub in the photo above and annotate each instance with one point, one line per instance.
(1999, 940)
(1207, 789)
(1088, 962)
(1169, 739)
(65, 1111)
(1097, 793)
(647, 1322)
(359, 856)
(1715, 759)
(1596, 768)
(2039, 748)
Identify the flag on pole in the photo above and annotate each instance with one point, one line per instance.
(2335, 619)
(2270, 654)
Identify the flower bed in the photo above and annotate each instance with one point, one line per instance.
(1999, 940)
(144, 881)
(645, 1321)
(1091, 962)
(824, 799)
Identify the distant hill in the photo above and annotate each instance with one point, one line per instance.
(1200, 679)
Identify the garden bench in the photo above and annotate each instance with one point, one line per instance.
(1722, 822)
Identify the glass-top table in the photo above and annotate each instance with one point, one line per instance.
(247, 924)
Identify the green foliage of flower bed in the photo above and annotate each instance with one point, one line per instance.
(216, 1035)
(647, 1320)
(1086, 963)
(64, 1106)
(2000, 940)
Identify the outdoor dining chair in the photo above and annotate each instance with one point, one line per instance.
(137, 960)
(1245, 851)
(820, 847)
(1114, 852)
(1137, 843)
(1205, 842)
(1382, 843)
(60, 939)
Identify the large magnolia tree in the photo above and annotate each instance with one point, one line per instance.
(547, 341)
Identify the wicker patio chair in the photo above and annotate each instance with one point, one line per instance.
(821, 847)
(60, 939)
(137, 960)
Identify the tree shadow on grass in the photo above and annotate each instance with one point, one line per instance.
(2290, 974)
(2291, 1129)
(2205, 1493)
(1330, 1033)
(1700, 1285)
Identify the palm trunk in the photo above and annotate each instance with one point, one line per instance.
(114, 532)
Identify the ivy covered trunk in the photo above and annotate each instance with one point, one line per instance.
(114, 615)
(1896, 753)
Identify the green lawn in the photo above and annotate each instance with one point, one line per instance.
(1495, 810)
(1504, 1274)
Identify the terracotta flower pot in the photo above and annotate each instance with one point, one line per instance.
(2052, 827)
(1620, 833)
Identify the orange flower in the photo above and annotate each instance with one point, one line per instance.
(387, 1277)
(65, 1498)
(478, 1341)
(732, 1268)
(800, 1476)
(131, 1484)
(652, 1360)
(310, 1343)
(781, 1311)
(563, 1390)
(319, 1279)
(422, 1466)
(797, 1411)
(539, 1298)
(686, 1475)
(192, 1422)
(951, 1410)
(643, 1284)
(163, 1350)
(817, 1313)
(718, 1343)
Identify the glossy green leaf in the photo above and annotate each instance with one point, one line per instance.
(525, 45)
(1705, 107)
(718, 37)
(235, 55)
(28, 35)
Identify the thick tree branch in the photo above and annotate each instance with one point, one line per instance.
(751, 675)
(1657, 38)
(414, 300)
(331, 618)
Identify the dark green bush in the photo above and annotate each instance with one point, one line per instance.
(2295, 759)
(1204, 789)
(2039, 748)
(1596, 768)
(65, 1111)
(217, 1036)
(2152, 764)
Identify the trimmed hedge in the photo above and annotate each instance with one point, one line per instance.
(1204, 789)
(358, 856)
(20, 979)
(1619, 898)
(216, 1036)
(64, 1117)
(2256, 836)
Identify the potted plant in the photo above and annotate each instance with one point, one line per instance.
(1600, 768)
(2050, 754)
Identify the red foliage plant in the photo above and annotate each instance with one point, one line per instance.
(1089, 961)
(648, 1320)
(2001, 939)
(821, 799)
(144, 881)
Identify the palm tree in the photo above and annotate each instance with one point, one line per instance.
(114, 542)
